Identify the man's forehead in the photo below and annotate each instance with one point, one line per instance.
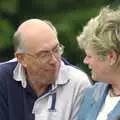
(48, 46)
(36, 46)
(46, 49)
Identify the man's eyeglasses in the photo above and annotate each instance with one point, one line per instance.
(45, 56)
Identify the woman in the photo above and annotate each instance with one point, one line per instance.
(100, 40)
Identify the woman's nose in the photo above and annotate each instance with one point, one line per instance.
(85, 61)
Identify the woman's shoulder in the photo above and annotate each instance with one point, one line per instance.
(96, 90)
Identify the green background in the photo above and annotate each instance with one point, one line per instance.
(68, 16)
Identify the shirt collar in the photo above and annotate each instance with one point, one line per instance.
(63, 76)
(19, 75)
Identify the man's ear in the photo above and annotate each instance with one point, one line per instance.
(112, 57)
(21, 58)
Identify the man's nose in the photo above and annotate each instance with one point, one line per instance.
(53, 57)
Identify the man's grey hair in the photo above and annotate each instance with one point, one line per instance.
(18, 40)
(102, 33)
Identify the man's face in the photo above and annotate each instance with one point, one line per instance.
(42, 58)
(44, 65)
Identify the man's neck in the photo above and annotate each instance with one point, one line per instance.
(38, 88)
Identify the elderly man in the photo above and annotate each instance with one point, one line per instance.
(39, 86)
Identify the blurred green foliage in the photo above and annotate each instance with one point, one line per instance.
(68, 16)
(6, 31)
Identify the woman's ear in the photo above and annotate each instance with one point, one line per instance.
(112, 57)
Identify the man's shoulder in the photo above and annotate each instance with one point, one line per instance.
(6, 74)
(77, 75)
(75, 70)
(6, 67)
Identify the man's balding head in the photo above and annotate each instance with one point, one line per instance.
(33, 29)
(36, 24)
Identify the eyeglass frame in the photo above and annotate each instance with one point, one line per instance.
(51, 52)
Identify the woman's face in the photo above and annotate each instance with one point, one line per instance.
(100, 69)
